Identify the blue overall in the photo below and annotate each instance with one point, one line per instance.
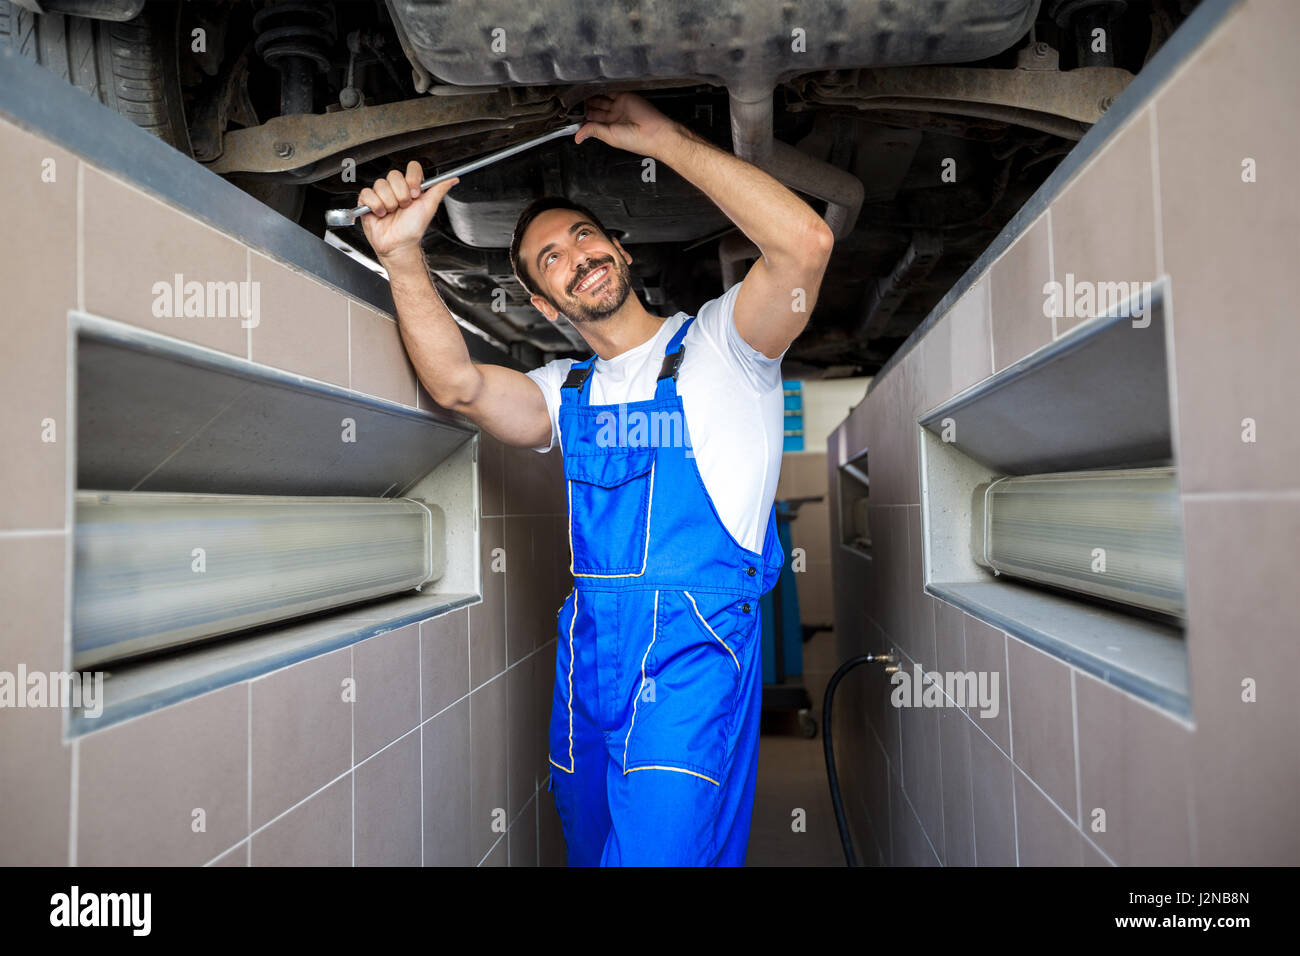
(655, 715)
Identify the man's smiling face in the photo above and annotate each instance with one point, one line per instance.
(581, 273)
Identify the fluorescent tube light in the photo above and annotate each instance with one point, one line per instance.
(1112, 534)
(155, 570)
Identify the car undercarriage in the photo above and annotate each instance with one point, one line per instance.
(917, 128)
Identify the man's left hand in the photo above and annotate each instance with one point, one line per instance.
(626, 121)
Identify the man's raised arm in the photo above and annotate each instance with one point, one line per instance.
(778, 294)
(507, 404)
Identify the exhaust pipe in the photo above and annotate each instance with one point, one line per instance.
(752, 141)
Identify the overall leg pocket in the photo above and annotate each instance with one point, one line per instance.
(726, 620)
(610, 496)
(683, 714)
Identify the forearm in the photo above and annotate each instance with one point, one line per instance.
(432, 338)
(773, 217)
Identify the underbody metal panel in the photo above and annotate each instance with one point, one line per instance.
(741, 43)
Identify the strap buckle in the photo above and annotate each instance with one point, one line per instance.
(577, 375)
(672, 363)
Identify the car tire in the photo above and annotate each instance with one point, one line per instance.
(128, 66)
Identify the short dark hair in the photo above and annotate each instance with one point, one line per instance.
(531, 212)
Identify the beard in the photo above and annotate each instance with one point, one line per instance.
(608, 299)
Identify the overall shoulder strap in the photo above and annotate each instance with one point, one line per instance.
(674, 352)
(574, 386)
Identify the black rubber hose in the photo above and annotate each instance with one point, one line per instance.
(836, 802)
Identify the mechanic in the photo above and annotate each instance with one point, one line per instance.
(655, 712)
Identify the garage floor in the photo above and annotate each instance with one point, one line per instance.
(792, 775)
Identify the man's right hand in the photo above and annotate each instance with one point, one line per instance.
(400, 213)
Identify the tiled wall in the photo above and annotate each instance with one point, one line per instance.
(1165, 195)
(803, 474)
(442, 758)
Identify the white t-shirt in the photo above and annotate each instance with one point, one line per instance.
(732, 398)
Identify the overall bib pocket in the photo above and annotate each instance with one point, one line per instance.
(609, 511)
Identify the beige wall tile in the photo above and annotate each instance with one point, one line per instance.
(40, 286)
(1103, 223)
(534, 484)
(921, 776)
(500, 853)
(954, 759)
(488, 794)
(875, 573)
(561, 558)
(872, 786)
(936, 363)
(1133, 764)
(957, 348)
(303, 326)
(970, 338)
(302, 732)
(1242, 607)
(141, 782)
(523, 837)
(986, 651)
(528, 581)
(446, 744)
(552, 581)
(895, 598)
(388, 806)
(895, 471)
(130, 241)
(1016, 298)
(444, 660)
(487, 619)
(35, 786)
(1091, 855)
(32, 594)
(536, 739)
(920, 605)
(544, 690)
(380, 365)
(521, 719)
(235, 856)
(850, 595)
(1042, 721)
(950, 637)
(315, 833)
(911, 848)
(1044, 836)
(387, 671)
(901, 818)
(1231, 249)
(991, 800)
(491, 458)
(883, 718)
(857, 430)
